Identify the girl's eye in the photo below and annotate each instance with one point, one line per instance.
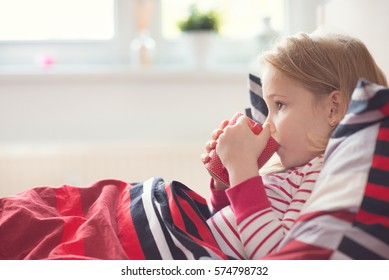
(280, 105)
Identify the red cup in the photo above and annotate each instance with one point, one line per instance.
(215, 166)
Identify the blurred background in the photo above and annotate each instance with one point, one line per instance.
(98, 89)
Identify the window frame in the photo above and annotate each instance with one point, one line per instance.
(110, 51)
(117, 51)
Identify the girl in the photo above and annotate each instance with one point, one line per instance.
(307, 84)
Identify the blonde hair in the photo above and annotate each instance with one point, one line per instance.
(323, 62)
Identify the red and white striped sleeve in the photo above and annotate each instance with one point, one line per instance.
(262, 210)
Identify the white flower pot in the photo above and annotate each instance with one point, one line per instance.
(199, 45)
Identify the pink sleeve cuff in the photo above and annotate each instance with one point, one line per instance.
(218, 199)
(247, 198)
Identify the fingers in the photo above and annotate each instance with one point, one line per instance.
(216, 133)
(242, 119)
(223, 124)
(266, 130)
(211, 144)
(205, 158)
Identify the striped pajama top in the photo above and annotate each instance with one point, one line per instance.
(253, 217)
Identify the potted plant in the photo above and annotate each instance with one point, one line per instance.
(199, 21)
(199, 29)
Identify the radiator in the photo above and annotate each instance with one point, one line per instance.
(23, 167)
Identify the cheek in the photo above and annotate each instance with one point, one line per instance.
(283, 129)
(291, 133)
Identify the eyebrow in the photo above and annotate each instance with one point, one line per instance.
(272, 95)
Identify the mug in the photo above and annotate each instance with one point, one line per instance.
(215, 166)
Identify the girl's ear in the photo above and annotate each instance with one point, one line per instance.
(334, 99)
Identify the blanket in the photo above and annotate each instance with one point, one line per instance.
(109, 219)
(347, 215)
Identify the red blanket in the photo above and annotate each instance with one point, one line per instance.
(107, 220)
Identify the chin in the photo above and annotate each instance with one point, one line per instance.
(288, 163)
(284, 161)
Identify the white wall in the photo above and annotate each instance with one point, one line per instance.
(366, 19)
(76, 128)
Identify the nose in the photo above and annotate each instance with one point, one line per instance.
(271, 125)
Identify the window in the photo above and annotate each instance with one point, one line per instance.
(99, 32)
(240, 19)
(59, 32)
(25, 20)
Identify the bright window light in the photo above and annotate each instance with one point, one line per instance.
(240, 19)
(27, 20)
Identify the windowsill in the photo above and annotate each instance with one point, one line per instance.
(122, 73)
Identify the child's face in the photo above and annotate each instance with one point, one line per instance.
(296, 117)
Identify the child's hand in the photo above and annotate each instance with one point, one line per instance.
(239, 148)
(210, 145)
